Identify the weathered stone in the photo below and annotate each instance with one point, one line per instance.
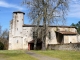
(71, 46)
(21, 35)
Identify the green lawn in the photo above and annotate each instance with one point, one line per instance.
(21, 55)
(63, 55)
(14, 55)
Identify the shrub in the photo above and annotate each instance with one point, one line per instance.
(1, 46)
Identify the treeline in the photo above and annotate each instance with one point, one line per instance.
(4, 36)
(77, 25)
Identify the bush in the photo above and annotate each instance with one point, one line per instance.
(1, 46)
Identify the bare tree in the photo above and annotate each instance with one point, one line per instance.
(0, 30)
(45, 13)
(5, 34)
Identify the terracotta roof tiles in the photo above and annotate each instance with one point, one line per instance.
(67, 32)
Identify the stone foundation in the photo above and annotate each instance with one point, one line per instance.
(70, 46)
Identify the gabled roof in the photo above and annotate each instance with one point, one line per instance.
(66, 32)
(49, 26)
(38, 41)
(31, 41)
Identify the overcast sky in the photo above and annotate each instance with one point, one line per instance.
(9, 6)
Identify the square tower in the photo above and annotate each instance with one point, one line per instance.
(15, 33)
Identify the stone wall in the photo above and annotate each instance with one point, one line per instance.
(71, 46)
(78, 38)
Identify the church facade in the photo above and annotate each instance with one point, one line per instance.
(21, 35)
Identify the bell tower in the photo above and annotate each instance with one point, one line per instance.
(18, 18)
(16, 29)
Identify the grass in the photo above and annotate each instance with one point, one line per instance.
(14, 55)
(21, 55)
(63, 55)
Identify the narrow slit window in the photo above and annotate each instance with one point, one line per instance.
(17, 20)
(17, 41)
(17, 28)
(49, 35)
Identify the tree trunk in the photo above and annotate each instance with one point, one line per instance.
(36, 35)
(44, 36)
(35, 40)
(44, 26)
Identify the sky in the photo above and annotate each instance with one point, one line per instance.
(7, 7)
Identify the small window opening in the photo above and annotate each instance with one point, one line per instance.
(70, 42)
(17, 28)
(17, 20)
(49, 35)
(33, 34)
(17, 41)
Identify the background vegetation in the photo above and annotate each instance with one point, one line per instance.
(4, 36)
(77, 25)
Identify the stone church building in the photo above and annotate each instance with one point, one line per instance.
(21, 35)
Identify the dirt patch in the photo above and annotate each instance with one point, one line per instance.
(40, 57)
(2, 59)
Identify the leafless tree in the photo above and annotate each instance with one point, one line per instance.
(0, 30)
(45, 13)
(5, 34)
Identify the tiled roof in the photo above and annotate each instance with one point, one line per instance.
(31, 41)
(38, 41)
(49, 26)
(67, 32)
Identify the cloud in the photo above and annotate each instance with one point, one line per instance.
(74, 10)
(8, 5)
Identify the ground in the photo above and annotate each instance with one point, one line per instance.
(62, 55)
(14, 55)
(39, 55)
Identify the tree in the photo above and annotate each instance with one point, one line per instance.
(1, 46)
(5, 34)
(46, 12)
(77, 25)
(0, 30)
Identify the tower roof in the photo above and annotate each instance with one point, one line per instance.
(18, 12)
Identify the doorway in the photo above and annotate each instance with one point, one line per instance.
(38, 45)
(59, 37)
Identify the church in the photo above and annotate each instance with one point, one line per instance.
(21, 35)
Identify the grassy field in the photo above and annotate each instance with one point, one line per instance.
(21, 55)
(63, 55)
(14, 55)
